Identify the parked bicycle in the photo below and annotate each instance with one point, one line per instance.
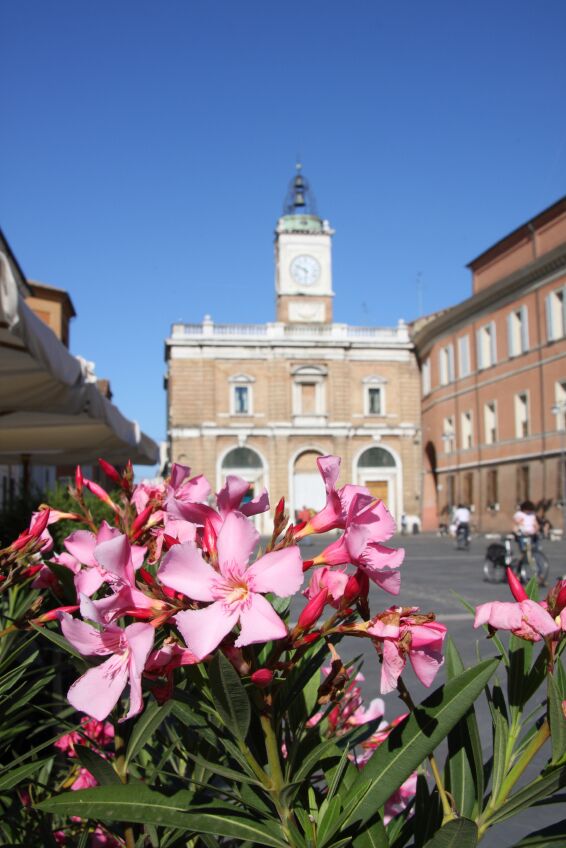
(531, 561)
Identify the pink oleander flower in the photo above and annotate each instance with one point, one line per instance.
(115, 557)
(527, 619)
(84, 547)
(46, 578)
(335, 512)
(235, 591)
(334, 580)
(402, 632)
(85, 780)
(228, 499)
(400, 799)
(368, 524)
(97, 692)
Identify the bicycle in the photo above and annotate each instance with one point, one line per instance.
(533, 562)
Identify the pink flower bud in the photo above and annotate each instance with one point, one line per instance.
(561, 597)
(53, 614)
(354, 587)
(79, 479)
(39, 524)
(313, 610)
(100, 493)
(209, 537)
(280, 509)
(517, 589)
(262, 677)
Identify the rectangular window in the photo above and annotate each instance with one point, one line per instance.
(487, 346)
(469, 489)
(374, 400)
(241, 400)
(447, 365)
(559, 408)
(308, 398)
(522, 428)
(556, 314)
(523, 483)
(518, 331)
(448, 435)
(464, 356)
(492, 488)
(467, 431)
(426, 377)
(490, 423)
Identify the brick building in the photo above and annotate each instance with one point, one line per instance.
(264, 400)
(494, 382)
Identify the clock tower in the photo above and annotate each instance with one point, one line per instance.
(303, 259)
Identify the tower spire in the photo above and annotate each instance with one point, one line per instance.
(300, 198)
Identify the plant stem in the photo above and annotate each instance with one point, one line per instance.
(277, 777)
(447, 810)
(122, 772)
(513, 776)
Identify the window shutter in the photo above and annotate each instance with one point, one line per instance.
(479, 349)
(510, 334)
(549, 321)
(524, 329)
(493, 345)
(451, 373)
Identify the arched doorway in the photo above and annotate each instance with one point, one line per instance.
(379, 469)
(307, 486)
(247, 463)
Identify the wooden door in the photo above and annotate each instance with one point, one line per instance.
(379, 489)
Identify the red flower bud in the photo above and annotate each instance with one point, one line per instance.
(40, 523)
(169, 541)
(139, 521)
(262, 677)
(145, 575)
(313, 610)
(517, 589)
(354, 587)
(307, 563)
(110, 471)
(280, 509)
(79, 479)
(53, 614)
(209, 537)
(561, 597)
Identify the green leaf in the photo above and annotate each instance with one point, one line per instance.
(327, 819)
(557, 720)
(67, 580)
(465, 757)
(145, 727)
(58, 640)
(137, 803)
(500, 740)
(224, 771)
(520, 658)
(374, 835)
(12, 778)
(459, 833)
(230, 697)
(553, 836)
(100, 768)
(414, 739)
(538, 789)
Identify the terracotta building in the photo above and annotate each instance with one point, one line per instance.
(264, 400)
(494, 382)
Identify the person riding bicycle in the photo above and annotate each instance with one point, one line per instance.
(462, 517)
(525, 526)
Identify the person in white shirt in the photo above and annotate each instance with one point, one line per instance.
(525, 525)
(462, 518)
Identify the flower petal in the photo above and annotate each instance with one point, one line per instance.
(204, 629)
(231, 494)
(82, 636)
(280, 572)
(115, 556)
(185, 570)
(81, 545)
(96, 693)
(236, 541)
(140, 639)
(426, 663)
(393, 665)
(259, 623)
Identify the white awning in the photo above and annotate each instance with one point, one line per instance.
(50, 409)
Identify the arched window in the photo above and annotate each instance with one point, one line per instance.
(241, 458)
(376, 458)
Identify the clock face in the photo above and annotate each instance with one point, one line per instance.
(305, 270)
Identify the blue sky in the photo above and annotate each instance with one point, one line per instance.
(147, 149)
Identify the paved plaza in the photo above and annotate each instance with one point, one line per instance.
(433, 574)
